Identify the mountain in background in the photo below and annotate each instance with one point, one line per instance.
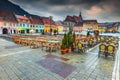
(8, 6)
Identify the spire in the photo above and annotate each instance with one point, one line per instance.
(80, 13)
(80, 17)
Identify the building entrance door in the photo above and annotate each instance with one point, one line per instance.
(5, 31)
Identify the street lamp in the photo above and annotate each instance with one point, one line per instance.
(50, 25)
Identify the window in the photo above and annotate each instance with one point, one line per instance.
(27, 25)
(36, 26)
(36, 30)
(5, 24)
(20, 25)
(40, 26)
(23, 25)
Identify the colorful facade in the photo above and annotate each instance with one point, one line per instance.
(49, 24)
(90, 25)
(71, 21)
(37, 24)
(112, 27)
(7, 22)
(59, 26)
(23, 25)
(102, 27)
(77, 29)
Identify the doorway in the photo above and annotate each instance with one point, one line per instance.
(5, 31)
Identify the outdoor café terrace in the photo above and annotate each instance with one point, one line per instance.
(39, 57)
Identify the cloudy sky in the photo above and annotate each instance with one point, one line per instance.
(102, 10)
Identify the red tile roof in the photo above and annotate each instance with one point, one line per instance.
(35, 20)
(23, 19)
(58, 23)
(46, 20)
(7, 16)
(90, 21)
(69, 18)
(101, 24)
(74, 18)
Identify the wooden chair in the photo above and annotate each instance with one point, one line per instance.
(111, 51)
(16, 39)
(45, 44)
(90, 43)
(81, 48)
(52, 46)
(74, 45)
(102, 49)
(32, 43)
(58, 45)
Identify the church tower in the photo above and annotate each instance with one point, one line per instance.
(80, 17)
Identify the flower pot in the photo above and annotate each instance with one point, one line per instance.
(63, 51)
(67, 50)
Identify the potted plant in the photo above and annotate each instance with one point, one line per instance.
(63, 49)
(73, 44)
(55, 31)
(70, 40)
(64, 44)
(67, 43)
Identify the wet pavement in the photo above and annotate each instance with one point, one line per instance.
(23, 63)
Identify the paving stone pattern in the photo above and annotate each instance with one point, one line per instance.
(23, 66)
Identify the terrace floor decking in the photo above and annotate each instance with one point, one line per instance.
(24, 63)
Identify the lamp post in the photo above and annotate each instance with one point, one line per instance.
(50, 25)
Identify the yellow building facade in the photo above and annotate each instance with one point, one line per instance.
(60, 28)
(90, 25)
(47, 28)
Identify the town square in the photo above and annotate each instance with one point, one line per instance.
(50, 40)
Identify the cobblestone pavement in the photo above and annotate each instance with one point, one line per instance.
(23, 63)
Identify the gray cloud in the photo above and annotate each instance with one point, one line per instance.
(102, 10)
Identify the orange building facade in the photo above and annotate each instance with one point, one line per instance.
(49, 24)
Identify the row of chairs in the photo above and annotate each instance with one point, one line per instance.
(83, 46)
(35, 42)
(108, 46)
(107, 50)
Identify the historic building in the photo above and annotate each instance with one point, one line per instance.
(59, 26)
(36, 24)
(78, 27)
(77, 24)
(113, 27)
(7, 22)
(23, 25)
(102, 27)
(48, 23)
(71, 21)
(90, 25)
